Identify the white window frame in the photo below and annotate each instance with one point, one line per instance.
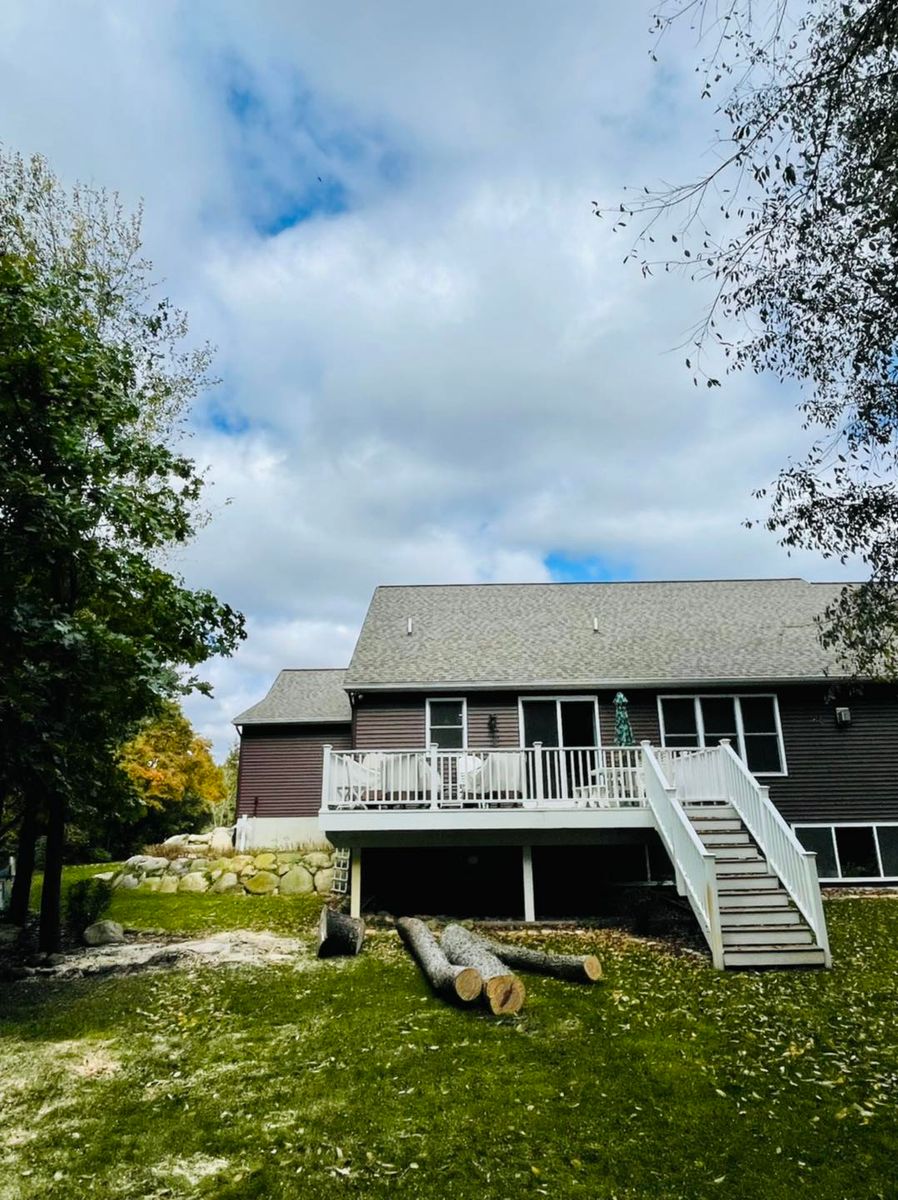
(832, 826)
(462, 700)
(559, 700)
(737, 697)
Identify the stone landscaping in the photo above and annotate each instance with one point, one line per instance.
(204, 865)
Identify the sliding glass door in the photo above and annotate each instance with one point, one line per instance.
(568, 729)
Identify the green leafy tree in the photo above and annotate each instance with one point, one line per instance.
(96, 633)
(226, 814)
(796, 227)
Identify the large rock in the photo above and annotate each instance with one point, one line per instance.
(220, 842)
(176, 839)
(147, 864)
(193, 881)
(297, 881)
(104, 933)
(324, 880)
(199, 864)
(105, 876)
(179, 867)
(263, 883)
(316, 859)
(126, 882)
(152, 883)
(265, 861)
(226, 883)
(168, 884)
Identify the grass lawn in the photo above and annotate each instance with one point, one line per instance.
(346, 1078)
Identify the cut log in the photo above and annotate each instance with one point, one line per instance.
(503, 992)
(576, 968)
(338, 934)
(448, 980)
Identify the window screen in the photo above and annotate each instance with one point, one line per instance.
(762, 744)
(821, 842)
(680, 727)
(888, 848)
(447, 724)
(857, 851)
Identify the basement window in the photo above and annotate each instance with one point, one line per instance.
(852, 852)
(751, 723)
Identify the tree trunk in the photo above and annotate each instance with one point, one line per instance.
(576, 968)
(50, 932)
(338, 934)
(502, 991)
(21, 887)
(450, 981)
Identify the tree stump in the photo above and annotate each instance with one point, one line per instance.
(575, 968)
(503, 992)
(338, 934)
(453, 982)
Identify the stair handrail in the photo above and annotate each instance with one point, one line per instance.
(795, 866)
(694, 865)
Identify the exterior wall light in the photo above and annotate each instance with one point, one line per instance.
(843, 717)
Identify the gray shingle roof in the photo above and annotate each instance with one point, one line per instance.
(534, 634)
(299, 697)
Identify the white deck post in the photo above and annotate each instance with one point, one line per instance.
(434, 798)
(355, 891)
(326, 776)
(538, 771)
(527, 863)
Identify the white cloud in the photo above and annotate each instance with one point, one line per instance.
(454, 377)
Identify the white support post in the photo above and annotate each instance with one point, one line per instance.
(326, 777)
(538, 772)
(355, 894)
(434, 776)
(527, 863)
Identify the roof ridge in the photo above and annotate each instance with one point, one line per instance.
(604, 582)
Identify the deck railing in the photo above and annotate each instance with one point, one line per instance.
(694, 865)
(532, 777)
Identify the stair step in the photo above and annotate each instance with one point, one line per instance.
(740, 852)
(703, 825)
(710, 810)
(750, 883)
(775, 956)
(723, 838)
(747, 864)
(756, 914)
(766, 935)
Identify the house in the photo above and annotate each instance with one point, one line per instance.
(468, 754)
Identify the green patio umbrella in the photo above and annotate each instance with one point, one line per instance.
(623, 733)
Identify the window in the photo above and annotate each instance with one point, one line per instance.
(852, 851)
(750, 722)
(446, 724)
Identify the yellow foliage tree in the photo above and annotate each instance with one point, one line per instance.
(172, 772)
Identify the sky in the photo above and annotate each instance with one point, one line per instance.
(434, 365)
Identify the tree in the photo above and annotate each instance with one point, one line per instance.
(94, 633)
(173, 774)
(227, 813)
(797, 227)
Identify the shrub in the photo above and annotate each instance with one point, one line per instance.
(86, 902)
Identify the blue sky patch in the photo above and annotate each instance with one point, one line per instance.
(589, 569)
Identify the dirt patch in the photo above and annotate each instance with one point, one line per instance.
(236, 948)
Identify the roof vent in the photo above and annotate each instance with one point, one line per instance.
(408, 628)
(595, 624)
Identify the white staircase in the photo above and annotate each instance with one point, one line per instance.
(760, 925)
(751, 884)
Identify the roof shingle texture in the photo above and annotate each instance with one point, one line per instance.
(298, 697)
(684, 632)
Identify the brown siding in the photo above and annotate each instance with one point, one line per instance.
(504, 707)
(398, 722)
(281, 766)
(839, 774)
(389, 722)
